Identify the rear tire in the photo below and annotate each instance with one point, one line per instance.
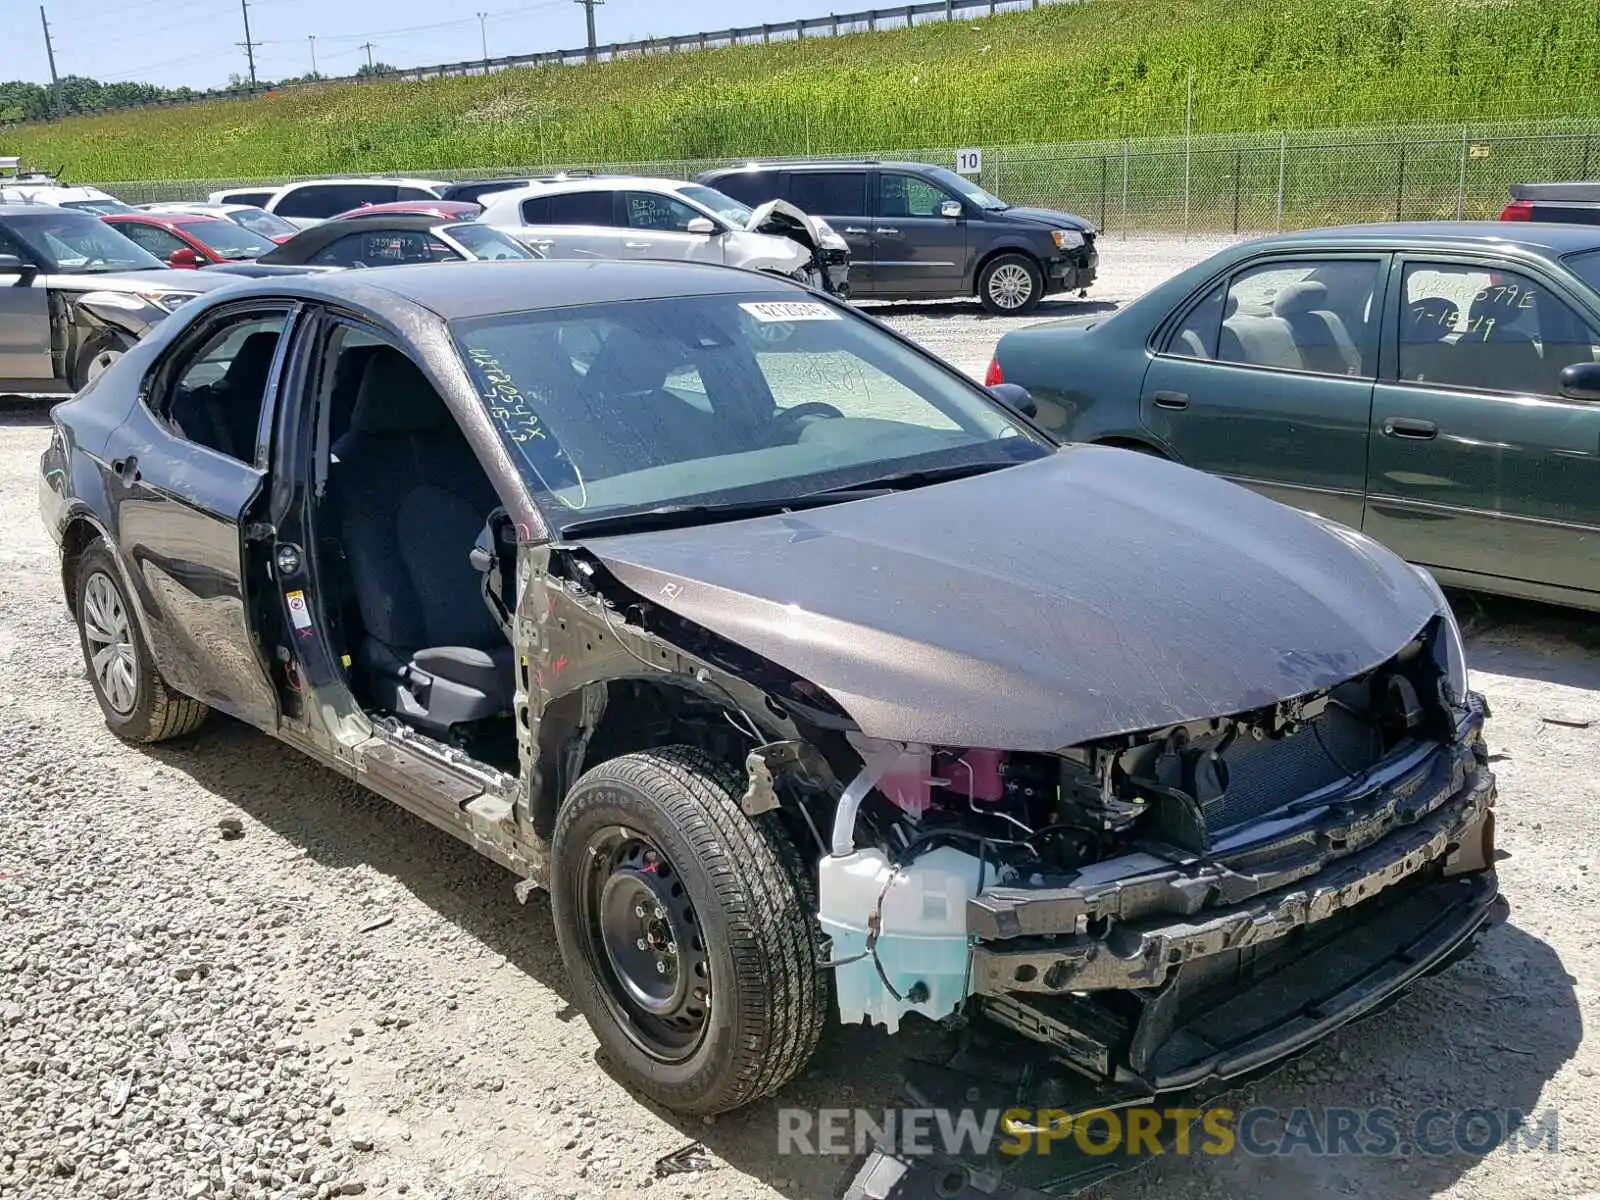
(137, 704)
(1010, 285)
(688, 930)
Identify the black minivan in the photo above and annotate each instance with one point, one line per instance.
(921, 232)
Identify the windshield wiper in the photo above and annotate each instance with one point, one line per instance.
(676, 516)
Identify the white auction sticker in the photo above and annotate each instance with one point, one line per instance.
(297, 610)
(789, 310)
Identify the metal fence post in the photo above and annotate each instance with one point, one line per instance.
(1400, 182)
(1588, 145)
(1238, 170)
(1102, 191)
(1127, 149)
(1461, 180)
(1283, 154)
(1188, 147)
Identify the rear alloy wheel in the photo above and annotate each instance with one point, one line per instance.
(137, 704)
(688, 929)
(1010, 285)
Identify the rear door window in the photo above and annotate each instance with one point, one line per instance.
(577, 208)
(323, 200)
(1302, 316)
(652, 210)
(749, 187)
(384, 249)
(829, 193)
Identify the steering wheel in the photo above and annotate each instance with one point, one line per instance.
(797, 413)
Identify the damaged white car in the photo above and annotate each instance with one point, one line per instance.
(619, 216)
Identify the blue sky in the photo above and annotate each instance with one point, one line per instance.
(191, 42)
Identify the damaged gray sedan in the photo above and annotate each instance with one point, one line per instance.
(810, 678)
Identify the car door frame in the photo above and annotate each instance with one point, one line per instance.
(907, 277)
(195, 590)
(1571, 533)
(26, 358)
(1346, 505)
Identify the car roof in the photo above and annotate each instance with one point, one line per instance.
(325, 233)
(580, 183)
(1547, 239)
(825, 164)
(464, 290)
(158, 218)
(400, 181)
(15, 209)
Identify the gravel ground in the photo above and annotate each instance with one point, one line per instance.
(342, 1000)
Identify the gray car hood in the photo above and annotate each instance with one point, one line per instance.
(1092, 593)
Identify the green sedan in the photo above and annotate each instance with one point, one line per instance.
(1434, 385)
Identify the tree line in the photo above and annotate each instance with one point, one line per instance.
(22, 100)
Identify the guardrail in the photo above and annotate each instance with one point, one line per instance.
(897, 16)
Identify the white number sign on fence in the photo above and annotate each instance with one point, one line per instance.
(969, 162)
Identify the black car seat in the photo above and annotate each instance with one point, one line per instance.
(1492, 352)
(225, 414)
(412, 499)
(1426, 355)
(1325, 345)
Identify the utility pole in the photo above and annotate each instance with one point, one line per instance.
(588, 12)
(312, 38)
(367, 46)
(50, 53)
(483, 32)
(249, 46)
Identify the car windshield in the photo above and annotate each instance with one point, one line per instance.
(614, 410)
(227, 239)
(1586, 266)
(259, 220)
(726, 207)
(487, 242)
(103, 207)
(75, 243)
(963, 186)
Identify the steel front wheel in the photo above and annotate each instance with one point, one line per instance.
(137, 704)
(1010, 285)
(688, 930)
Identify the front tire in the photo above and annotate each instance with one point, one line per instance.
(96, 356)
(1010, 285)
(137, 704)
(688, 930)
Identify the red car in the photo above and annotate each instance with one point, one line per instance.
(448, 210)
(190, 240)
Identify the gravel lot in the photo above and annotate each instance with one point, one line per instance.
(343, 1000)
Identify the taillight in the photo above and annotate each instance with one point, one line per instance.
(1517, 210)
(993, 375)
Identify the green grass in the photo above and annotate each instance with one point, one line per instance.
(1103, 69)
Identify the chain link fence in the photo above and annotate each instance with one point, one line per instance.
(1212, 183)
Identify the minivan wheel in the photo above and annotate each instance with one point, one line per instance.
(688, 930)
(137, 704)
(1010, 285)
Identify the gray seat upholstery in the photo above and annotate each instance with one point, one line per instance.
(1323, 342)
(411, 500)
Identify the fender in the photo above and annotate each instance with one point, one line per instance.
(120, 312)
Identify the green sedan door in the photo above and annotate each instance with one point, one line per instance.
(1266, 378)
(1479, 467)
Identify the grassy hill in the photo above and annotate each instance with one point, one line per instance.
(1099, 69)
